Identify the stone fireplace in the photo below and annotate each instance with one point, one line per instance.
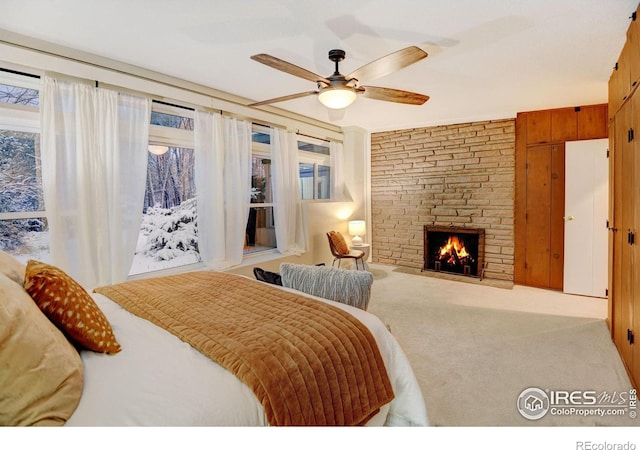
(454, 250)
(460, 176)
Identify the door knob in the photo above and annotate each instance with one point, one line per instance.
(569, 218)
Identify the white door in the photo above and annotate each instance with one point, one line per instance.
(586, 210)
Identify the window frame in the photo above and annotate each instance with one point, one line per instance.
(171, 137)
(20, 118)
(176, 138)
(315, 159)
(261, 149)
(26, 119)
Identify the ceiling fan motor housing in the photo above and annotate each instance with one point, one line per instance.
(337, 55)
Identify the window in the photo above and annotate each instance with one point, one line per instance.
(17, 95)
(167, 119)
(169, 232)
(23, 218)
(315, 184)
(315, 169)
(260, 232)
(324, 182)
(320, 148)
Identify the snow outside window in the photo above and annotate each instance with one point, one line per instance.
(169, 229)
(23, 218)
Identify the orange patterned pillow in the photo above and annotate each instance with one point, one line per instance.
(69, 307)
(339, 243)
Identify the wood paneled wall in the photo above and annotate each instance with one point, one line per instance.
(624, 211)
(539, 199)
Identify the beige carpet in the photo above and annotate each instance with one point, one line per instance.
(474, 348)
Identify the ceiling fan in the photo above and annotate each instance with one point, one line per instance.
(338, 91)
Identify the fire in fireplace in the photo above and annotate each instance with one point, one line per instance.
(454, 250)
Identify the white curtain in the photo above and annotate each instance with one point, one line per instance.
(223, 182)
(94, 168)
(291, 229)
(337, 174)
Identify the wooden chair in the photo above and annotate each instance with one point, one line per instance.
(340, 250)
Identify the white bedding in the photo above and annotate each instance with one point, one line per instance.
(158, 380)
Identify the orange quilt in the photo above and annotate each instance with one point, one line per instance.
(308, 362)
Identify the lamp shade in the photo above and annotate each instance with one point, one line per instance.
(337, 98)
(357, 228)
(158, 149)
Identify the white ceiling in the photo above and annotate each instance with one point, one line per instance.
(487, 59)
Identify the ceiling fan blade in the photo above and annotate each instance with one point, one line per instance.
(388, 64)
(282, 99)
(393, 95)
(289, 68)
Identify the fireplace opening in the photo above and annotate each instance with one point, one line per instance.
(454, 250)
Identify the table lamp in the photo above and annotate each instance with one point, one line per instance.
(357, 228)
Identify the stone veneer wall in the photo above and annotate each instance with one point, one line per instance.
(453, 175)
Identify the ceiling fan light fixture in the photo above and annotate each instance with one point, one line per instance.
(157, 149)
(337, 98)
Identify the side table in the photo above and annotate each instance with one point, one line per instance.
(363, 248)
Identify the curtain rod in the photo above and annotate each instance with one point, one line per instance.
(173, 104)
(17, 72)
(312, 137)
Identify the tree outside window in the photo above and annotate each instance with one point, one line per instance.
(23, 222)
(169, 229)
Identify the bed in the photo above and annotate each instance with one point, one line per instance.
(156, 378)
